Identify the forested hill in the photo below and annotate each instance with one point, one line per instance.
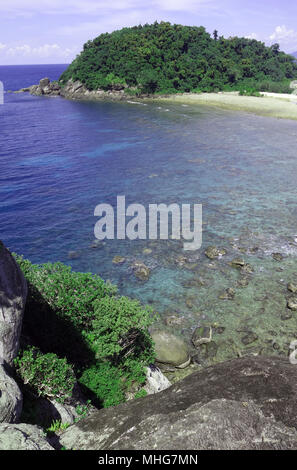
(169, 58)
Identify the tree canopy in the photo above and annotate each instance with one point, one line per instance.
(167, 58)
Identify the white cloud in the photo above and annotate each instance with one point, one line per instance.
(283, 34)
(2, 46)
(252, 36)
(46, 51)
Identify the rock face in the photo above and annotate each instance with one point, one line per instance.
(13, 293)
(155, 380)
(74, 91)
(45, 87)
(46, 411)
(22, 437)
(247, 403)
(11, 399)
(170, 349)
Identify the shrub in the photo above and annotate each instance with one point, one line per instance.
(120, 330)
(70, 294)
(106, 383)
(45, 374)
(123, 347)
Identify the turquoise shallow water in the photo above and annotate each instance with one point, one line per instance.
(59, 159)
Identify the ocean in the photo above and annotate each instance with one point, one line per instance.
(59, 159)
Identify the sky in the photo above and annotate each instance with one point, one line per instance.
(54, 31)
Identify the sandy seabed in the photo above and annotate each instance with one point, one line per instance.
(283, 106)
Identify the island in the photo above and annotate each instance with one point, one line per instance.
(184, 64)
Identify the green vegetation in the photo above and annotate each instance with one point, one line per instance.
(106, 383)
(76, 328)
(69, 294)
(249, 92)
(165, 58)
(57, 426)
(140, 394)
(120, 330)
(46, 374)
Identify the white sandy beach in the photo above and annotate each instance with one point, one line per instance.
(282, 106)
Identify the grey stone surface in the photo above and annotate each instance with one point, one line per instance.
(11, 399)
(247, 403)
(13, 293)
(22, 437)
(155, 380)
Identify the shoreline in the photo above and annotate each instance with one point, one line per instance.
(281, 106)
(268, 105)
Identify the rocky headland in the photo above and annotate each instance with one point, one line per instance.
(76, 91)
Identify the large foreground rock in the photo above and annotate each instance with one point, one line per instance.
(13, 293)
(11, 399)
(247, 403)
(22, 437)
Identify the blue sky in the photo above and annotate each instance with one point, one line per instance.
(54, 31)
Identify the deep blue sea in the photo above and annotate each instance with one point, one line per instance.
(59, 159)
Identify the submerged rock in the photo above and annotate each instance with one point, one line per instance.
(237, 263)
(213, 252)
(141, 271)
(147, 251)
(189, 302)
(229, 294)
(202, 335)
(172, 320)
(247, 268)
(73, 254)
(277, 256)
(249, 338)
(244, 282)
(287, 315)
(292, 287)
(292, 303)
(205, 353)
(97, 244)
(171, 349)
(247, 403)
(118, 260)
